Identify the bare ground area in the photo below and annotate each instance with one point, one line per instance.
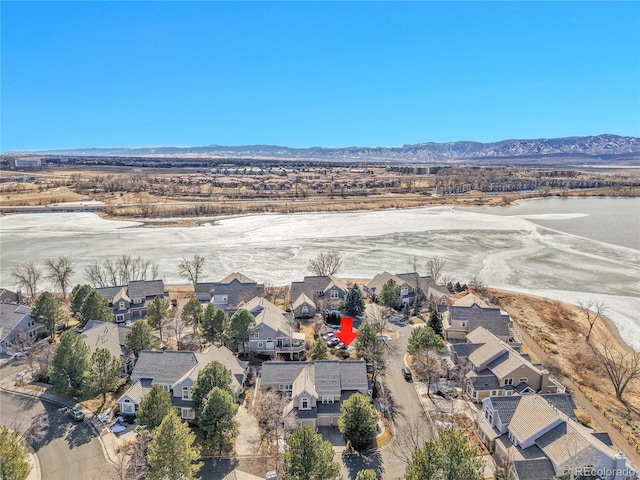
(555, 333)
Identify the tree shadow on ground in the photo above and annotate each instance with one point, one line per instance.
(355, 462)
(54, 424)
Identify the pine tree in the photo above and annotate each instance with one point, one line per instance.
(95, 307)
(214, 374)
(217, 418)
(78, 294)
(14, 463)
(353, 302)
(157, 313)
(319, 350)
(192, 313)
(104, 374)
(390, 294)
(371, 348)
(424, 338)
(214, 323)
(154, 406)
(171, 454)
(47, 311)
(435, 322)
(241, 326)
(70, 364)
(357, 422)
(140, 337)
(309, 457)
(367, 475)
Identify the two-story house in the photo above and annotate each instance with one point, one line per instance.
(537, 437)
(111, 337)
(411, 284)
(320, 293)
(499, 369)
(131, 301)
(316, 389)
(458, 320)
(229, 292)
(17, 329)
(176, 372)
(273, 333)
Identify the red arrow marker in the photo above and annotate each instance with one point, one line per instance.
(346, 333)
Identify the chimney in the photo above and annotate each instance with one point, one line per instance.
(544, 382)
(619, 466)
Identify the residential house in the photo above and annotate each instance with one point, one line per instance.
(9, 296)
(111, 337)
(176, 372)
(304, 307)
(458, 321)
(132, 300)
(229, 292)
(17, 329)
(499, 369)
(317, 389)
(322, 293)
(273, 333)
(538, 438)
(411, 284)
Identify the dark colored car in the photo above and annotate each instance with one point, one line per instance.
(406, 373)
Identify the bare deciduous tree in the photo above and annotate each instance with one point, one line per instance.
(40, 357)
(59, 273)
(435, 266)
(592, 310)
(27, 276)
(120, 271)
(191, 268)
(378, 316)
(273, 425)
(622, 367)
(326, 263)
(412, 436)
(427, 365)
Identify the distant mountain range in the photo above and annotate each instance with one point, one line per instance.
(597, 147)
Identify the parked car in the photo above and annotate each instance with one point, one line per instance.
(340, 346)
(75, 414)
(332, 342)
(328, 335)
(406, 373)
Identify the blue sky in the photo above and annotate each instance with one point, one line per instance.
(107, 74)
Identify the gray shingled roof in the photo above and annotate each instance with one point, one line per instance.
(204, 289)
(135, 289)
(312, 284)
(463, 350)
(165, 367)
(107, 335)
(484, 382)
(505, 407)
(11, 315)
(237, 292)
(538, 469)
(490, 318)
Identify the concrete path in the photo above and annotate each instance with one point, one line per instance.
(248, 433)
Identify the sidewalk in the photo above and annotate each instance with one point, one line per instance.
(107, 439)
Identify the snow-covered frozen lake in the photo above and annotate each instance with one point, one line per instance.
(507, 248)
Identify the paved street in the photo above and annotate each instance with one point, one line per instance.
(65, 450)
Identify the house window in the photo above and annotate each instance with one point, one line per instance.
(283, 387)
(463, 324)
(335, 305)
(334, 293)
(508, 381)
(121, 306)
(494, 393)
(523, 379)
(256, 335)
(304, 310)
(187, 413)
(120, 318)
(167, 388)
(260, 344)
(404, 291)
(320, 293)
(137, 301)
(128, 407)
(304, 404)
(327, 400)
(508, 393)
(186, 393)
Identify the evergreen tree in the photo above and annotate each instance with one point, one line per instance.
(192, 313)
(357, 422)
(78, 294)
(241, 325)
(158, 313)
(367, 475)
(319, 350)
(140, 337)
(309, 457)
(390, 294)
(95, 307)
(353, 302)
(424, 338)
(450, 457)
(212, 375)
(417, 305)
(217, 418)
(14, 456)
(104, 374)
(154, 406)
(48, 312)
(70, 364)
(215, 322)
(435, 322)
(171, 453)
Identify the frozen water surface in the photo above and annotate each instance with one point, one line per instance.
(506, 251)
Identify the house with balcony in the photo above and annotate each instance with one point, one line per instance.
(229, 292)
(316, 389)
(499, 369)
(176, 372)
(273, 333)
(322, 293)
(411, 285)
(131, 301)
(458, 320)
(17, 329)
(538, 438)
